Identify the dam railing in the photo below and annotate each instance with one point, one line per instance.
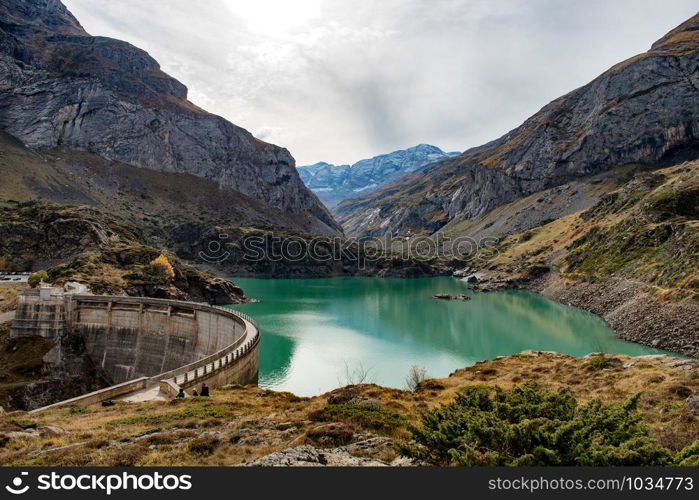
(190, 374)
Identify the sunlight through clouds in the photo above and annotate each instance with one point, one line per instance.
(338, 80)
(274, 17)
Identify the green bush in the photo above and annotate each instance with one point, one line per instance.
(25, 423)
(173, 416)
(689, 456)
(532, 425)
(37, 277)
(367, 416)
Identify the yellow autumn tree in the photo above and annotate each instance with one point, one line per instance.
(161, 265)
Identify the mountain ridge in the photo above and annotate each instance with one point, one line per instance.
(642, 110)
(336, 183)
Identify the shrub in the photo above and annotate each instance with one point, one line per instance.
(367, 416)
(532, 425)
(689, 456)
(25, 423)
(204, 445)
(37, 277)
(416, 375)
(331, 435)
(162, 267)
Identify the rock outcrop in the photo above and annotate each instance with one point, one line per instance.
(643, 110)
(335, 183)
(61, 88)
(109, 255)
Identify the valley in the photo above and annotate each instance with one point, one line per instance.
(572, 243)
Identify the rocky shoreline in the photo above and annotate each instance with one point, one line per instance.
(627, 306)
(634, 313)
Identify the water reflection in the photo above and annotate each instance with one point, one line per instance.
(312, 328)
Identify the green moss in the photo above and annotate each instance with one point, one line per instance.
(170, 417)
(367, 416)
(25, 423)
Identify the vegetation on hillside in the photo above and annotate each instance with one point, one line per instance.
(37, 277)
(534, 425)
(588, 399)
(646, 230)
(104, 252)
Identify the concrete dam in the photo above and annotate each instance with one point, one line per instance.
(144, 345)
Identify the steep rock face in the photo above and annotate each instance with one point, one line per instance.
(62, 88)
(643, 110)
(335, 183)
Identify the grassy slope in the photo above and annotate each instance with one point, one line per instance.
(647, 230)
(239, 424)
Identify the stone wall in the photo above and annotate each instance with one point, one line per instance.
(132, 337)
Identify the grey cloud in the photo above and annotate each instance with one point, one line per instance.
(367, 77)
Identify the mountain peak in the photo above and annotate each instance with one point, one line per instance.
(43, 14)
(334, 183)
(66, 89)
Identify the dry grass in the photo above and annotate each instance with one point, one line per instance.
(8, 295)
(237, 425)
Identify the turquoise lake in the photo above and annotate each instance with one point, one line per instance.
(315, 331)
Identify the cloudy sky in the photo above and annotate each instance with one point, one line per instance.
(342, 80)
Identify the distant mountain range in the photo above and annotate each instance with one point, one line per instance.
(335, 183)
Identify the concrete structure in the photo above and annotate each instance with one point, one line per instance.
(145, 345)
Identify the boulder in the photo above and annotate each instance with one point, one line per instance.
(308, 456)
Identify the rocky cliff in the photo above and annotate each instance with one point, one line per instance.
(61, 88)
(335, 183)
(643, 110)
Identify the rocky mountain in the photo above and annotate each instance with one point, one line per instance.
(631, 256)
(62, 90)
(642, 110)
(335, 183)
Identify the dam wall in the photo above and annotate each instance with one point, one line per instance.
(132, 337)
(142, 343)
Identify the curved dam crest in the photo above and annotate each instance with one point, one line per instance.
(144, 344)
